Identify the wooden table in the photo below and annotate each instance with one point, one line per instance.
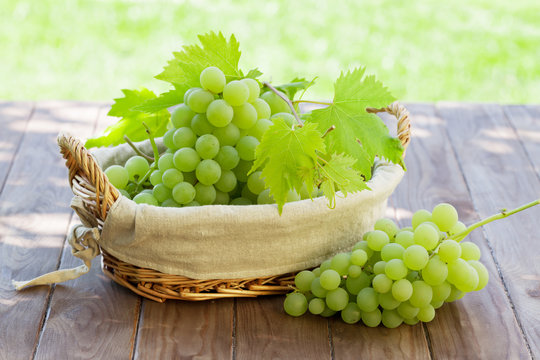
(480, 157)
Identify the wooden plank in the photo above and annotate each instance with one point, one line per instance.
(14, 117)
(434, 176)
(499, 175)
(34, 215)
(86, 313)
(403, 342)
(183, 329)
(264, 331)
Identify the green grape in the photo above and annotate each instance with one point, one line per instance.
(317, 289)
(183, 193)
(145, 198)
(411, 322)
(367, 299)
(186, 159)
(422, 294)
(207, 146)
(355, 284)
(190, 177)
(124, 193)
(276, 103)
(227, 157)
(359, 257)
(435, 271)
(161, 192)
(317, 272)
(199, 100)
(406, 228)
(293, 196)
(375, 258)
(340, 263)
(316, 306)
(254, 89)
(213, 79)
(402, 290)
(166, 162)
(445, 216)
(265, 197)
(184, 137)
(483, 275)
(171, 177)
(426, 314)
(463, 275)
(137, 167)
(457, 228)
(436, 304)
(391, 319)
(407, 311)
(413, 276)
(181, 116)
(188, 92)
(303, 280)
(236, 93)
(415, 257)
(245, 116)
(246, 193)
(222, 198)
(455, 294)
(200, 125)
(426, 236)
(118, 176)
(147, 191)
(204, 194)
(263, 109)
(241, 201)
(336, 299)
(256, 183)
(168, 139)
(227, 182)
(432, 224)
(285, 116)
(327, 312)
(387, 301)
(377, 239)
(208, 172)
(246, 147)
(382, 283)
(242, 169)
(392, 251)
(396, 269)
(441, 292)
(219, 113)
(379, 267)
(330, 279)
(388, 226)
(227, 135)
(170, 203)
(295, 304)
(469, 251)
(363, 245)
(419, 217)
(354, 271)
(449, 251)
(325, 265)
(372, 318)
(260, 128)
(351, 314)
(155, 177)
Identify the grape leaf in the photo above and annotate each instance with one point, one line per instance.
(290, 89)
(284, 152)
(338, 173)
(358, 133)
(254, 73)
(131, 122)
(163, 101)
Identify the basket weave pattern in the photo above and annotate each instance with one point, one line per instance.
(88, 181)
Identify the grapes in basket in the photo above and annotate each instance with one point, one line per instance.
(394, 276)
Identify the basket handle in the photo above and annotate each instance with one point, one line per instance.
(86, 178)
(403, 122)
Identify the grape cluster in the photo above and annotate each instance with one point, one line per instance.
(210, 148)
(394, 275)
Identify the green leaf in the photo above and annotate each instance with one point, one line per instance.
(358, 133)
(163, 101)
(254, 73)
(287, 156)
(338, 173)
(215, 50)
(294, 86)
(131, 122)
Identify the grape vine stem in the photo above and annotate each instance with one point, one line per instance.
(313, 102)
(287, 100)
(134, 147)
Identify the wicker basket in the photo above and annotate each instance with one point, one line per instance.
(88, 181)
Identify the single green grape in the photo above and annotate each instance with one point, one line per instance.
(265, 198)
(415, 257)
(316, 306)
(155, 177)
(382, 283)
(184, 137)
(391, 318)
(183, 193)
(435, 272)
(118, 176)
(253, 87)
(483, 275)
(241, 201)
(219, 113)
(227, 182)
(181, 116)
(426, 314)
(137, 167)
(205, 194)
(186, 159)
(445, 216)
(337, 299)
(359, 257)
(379, 267)
(351, 314)
(469, 251)
(396, 269)
(166, 162)
(227, 135)
(245, 116)
(207, 146)
(200, 125)
(208, 172)
(387, 301)
(317, 289)
(145, 198)
(441, 292)
(161, 192)
(367, 299)
(222, 198)
(449, 251)
(199, 100)
(405, 238)
(171, 177)
(372, 318)
(260, 128)
(256, 183)
(236, 93)
(213, 79)
(340, 263)
(426, 236)
(388, 226)
(392, 251)
(170, 203)
(407, 311)
(303, 280)
(419, 217)
(295, 304)
(276, 103)
(246, 147)
(227, 157)
(422, 294)
(402, 290)
(355, 284)
(377, 239)
(330, 279)
(263, 109)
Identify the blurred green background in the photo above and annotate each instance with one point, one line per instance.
(427, 50)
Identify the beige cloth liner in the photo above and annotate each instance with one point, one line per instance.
(228, 242)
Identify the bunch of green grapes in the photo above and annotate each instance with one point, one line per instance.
(210, 148)
(394, 275)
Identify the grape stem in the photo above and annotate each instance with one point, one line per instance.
(330, 129)
(287, 100)
(313, 102)
(134, 147)
(504, 213)
(155, 159)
